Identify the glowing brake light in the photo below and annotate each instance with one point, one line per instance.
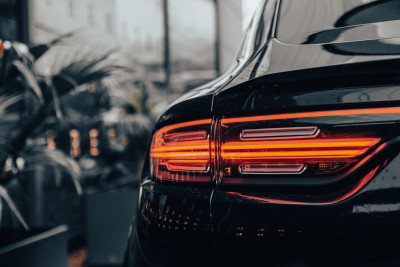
(273, 148)
(181, 152)
(260, 149)
(296, 149)
(294, 156)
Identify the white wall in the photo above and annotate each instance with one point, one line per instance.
(140, 24)
(230, 30)
(51, 18)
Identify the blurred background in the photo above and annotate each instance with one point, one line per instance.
(165, 35)
(81, 84)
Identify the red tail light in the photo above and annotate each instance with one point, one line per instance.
(273, 149)
(279, 148)
(322, 151)
(181, 152)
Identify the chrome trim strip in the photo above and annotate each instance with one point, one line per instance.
(254, 168)
(273, 133)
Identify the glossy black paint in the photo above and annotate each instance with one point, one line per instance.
(174, 225)
(342, 64)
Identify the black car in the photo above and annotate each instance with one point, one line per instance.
(292, 157)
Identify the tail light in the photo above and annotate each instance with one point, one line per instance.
(181, 152)
(305, 148)
(304, 152)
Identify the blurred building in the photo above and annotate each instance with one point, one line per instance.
(140, 26)
(52, 18)
(230, 30)
(202, 35)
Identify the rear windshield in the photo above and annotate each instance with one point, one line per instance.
(304, 16)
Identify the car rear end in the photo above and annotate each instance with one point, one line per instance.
(291, 158)
(308, 152)
(312, 184)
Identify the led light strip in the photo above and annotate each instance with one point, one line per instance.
(271, 133)
(296, 154)
(272, 168)
(310, 149)
(315, 143)
(186, 136)
(201, 145)
(188, 165)
(313, 114)
(182, 151)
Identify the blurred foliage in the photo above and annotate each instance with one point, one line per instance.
(75, 117)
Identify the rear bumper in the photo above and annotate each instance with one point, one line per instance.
(173, 227)
(204, 226)
(363, 229)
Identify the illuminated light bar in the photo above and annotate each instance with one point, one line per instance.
(181, 152)
(172, 155)
(188, 165)
(272, 168)
(181, 146)
(297, 154)
(315, 143)
(313, 114)
(199, 148)
(292, 132)
(304, 149)
(188, 136)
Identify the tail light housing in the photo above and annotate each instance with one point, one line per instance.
(304, 148)
(181, 152)
(285, 155)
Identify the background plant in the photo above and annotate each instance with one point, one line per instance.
(74, 118)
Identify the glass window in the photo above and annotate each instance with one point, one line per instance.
(304, 16)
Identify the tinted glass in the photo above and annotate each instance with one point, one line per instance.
(303, 16)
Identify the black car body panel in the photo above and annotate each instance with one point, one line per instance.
(351, 60)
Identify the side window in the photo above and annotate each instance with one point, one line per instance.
(305, 16)
(377, 11)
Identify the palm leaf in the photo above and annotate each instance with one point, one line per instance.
(9, 121)
(6, 101)
(71, 63)
(39, 50)
(42, 158)
(30, 79)
(4, 195)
